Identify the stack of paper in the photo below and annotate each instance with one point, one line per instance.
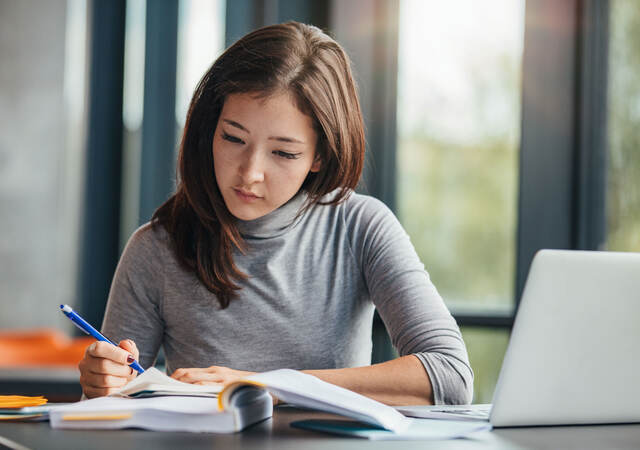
(154, 401)
(173, 413)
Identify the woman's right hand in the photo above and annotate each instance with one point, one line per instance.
(105, 367)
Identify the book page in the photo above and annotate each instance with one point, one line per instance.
(153, 382)
(304, 390)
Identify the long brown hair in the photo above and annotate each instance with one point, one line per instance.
(289, 57)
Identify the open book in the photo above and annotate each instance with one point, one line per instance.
(299, 389)
(157, 402)
(153, 383)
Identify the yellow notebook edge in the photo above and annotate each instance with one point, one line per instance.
(93, 416)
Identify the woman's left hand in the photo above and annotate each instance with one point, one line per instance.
(209, 375)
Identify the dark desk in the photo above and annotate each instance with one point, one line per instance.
(276, 433)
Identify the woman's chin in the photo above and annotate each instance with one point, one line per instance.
(247, 213)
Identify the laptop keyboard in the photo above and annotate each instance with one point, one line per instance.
(479, 413)
(476, 412)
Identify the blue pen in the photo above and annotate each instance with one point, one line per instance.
(87, 328)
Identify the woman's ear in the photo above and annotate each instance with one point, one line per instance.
(317, 164)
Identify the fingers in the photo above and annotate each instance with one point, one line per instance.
(130, 347)
(91, 392)
(198, 376)
(101, 385)
(209, 375)
(104, 368)
(202, 383)
(97, 380)
(100, 349)
(189, 375)
(186, 373)
(98, 384)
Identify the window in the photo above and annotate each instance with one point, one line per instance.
(623, 173)
(200, 39)
(459, 101)
(132, 107)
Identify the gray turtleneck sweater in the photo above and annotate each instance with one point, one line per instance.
(308, 302)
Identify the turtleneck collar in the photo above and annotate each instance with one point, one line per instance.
(276, 222)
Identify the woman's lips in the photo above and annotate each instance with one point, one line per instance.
(246, 196)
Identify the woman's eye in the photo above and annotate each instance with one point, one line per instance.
(235, 140)
(286, 155)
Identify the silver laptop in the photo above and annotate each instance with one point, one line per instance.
(574, 352)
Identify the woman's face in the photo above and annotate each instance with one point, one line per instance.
(263, 149)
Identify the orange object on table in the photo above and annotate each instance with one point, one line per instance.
(41, 347)
(21, 401)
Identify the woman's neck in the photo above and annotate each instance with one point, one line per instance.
(276, 222)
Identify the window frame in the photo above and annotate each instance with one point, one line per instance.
(100, 221)
(563, 207)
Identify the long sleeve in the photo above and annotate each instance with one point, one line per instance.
(409, 304)
(135, 299)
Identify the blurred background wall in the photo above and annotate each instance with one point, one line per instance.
(39, 163)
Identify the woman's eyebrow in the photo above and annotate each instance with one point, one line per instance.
(285, 139)
(291, 140)
(236, 124)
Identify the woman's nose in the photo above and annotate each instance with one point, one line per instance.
(252, 168)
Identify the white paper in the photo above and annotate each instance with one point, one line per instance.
(300, 389)
(435, 429)
(154, 380)
(197, 414)
(193, 414)
(419, 429)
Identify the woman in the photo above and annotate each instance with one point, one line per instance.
(264, 257)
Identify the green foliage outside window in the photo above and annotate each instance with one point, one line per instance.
(623, 174)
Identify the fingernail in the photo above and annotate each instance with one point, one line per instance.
(130, 359)
(130, 342)
(92, 347)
